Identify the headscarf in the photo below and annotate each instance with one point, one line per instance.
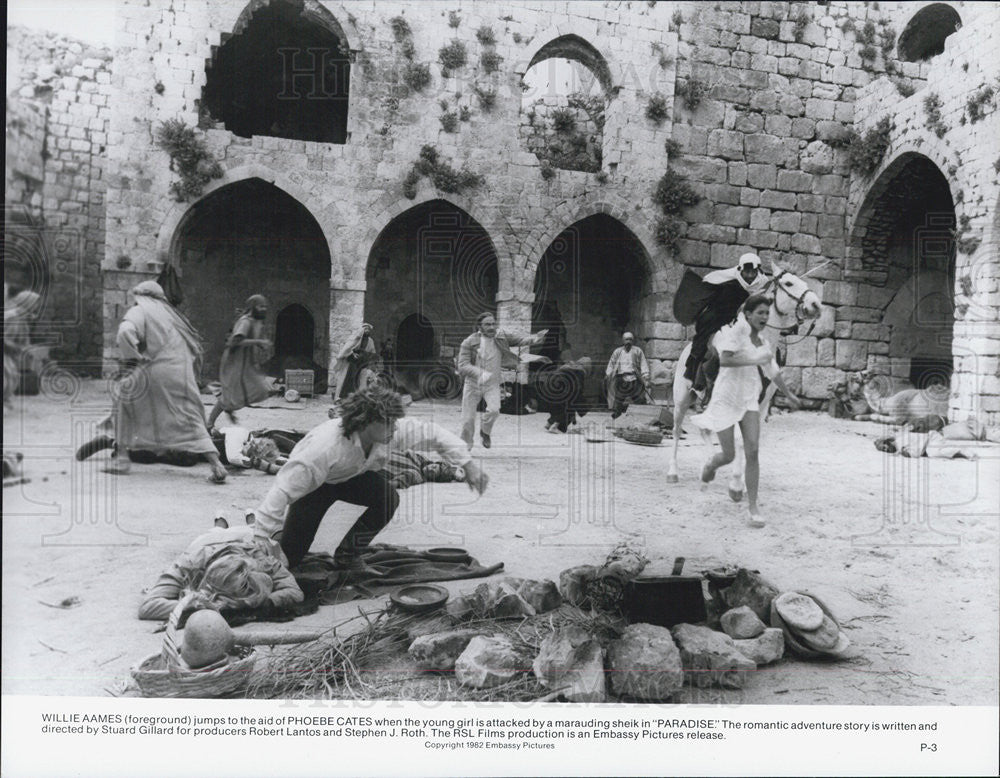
(235, 580)
(150, 297)
(626, 344)
(734, 274)
(253, 301)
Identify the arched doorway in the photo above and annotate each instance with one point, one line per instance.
(925, 34)
(906, 228)
(593, 283)
(432, 263)
(415, 339)
(247, 238)
(285, 72)
(294, 335)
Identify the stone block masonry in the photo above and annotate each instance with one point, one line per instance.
(54, 186)
(772, 91)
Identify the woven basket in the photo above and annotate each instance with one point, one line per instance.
(165, 674)
(645, 437)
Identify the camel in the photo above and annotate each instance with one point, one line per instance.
(896, 401)
(793, 303)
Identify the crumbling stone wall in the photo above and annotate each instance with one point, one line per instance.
(967, 152)
(56, 147)
(776, 81)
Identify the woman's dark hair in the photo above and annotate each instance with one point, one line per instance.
(754, 301)
(370, 405)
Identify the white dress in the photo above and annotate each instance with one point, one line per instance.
(737, 389)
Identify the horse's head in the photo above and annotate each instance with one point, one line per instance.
(794, 301)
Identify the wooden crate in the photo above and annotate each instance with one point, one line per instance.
(301, 381)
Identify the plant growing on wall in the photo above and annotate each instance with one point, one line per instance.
(656, 108)
(449, 121)
(490, 61)
(486, 36)
(673, 195)
(452, 56)
(487, 98)
(454, 19)
(904, 86)
(976, 105)
(443, 175)
(801, 21)
(672, 147)
(691, 92)
(400, 29)
(563, 120)
(190, 159)
(548, 172)
(932, 108)
(865, 152)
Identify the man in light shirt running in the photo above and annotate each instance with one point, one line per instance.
(480, 359)
(344, 459)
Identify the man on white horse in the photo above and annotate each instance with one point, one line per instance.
(712, 302)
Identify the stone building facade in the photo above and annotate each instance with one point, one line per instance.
(55, 152)
(350, 205)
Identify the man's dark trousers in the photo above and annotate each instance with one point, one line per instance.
(370, 489)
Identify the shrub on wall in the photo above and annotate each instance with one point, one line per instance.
(443, 175)
(691, 91)
(656, 108)
(932, 108)
(189, 158)
(866, 152)
(453, 56)
(673, 194)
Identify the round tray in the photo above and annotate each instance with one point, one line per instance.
(419, 597)
(443, 554)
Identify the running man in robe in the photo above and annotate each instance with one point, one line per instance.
(243, 381)
(627, 375)
(159, 406)
(712, 302)
(352, 357)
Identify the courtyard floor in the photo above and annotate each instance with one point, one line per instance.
(905, 552)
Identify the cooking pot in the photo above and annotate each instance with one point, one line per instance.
(666, 600)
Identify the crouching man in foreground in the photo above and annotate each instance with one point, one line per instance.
(344, 459)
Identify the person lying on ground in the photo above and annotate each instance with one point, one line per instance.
(230, 569)
(410, 468)
(344, 459)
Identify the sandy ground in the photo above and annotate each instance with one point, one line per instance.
(905, 552)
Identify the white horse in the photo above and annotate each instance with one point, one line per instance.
(793, 303)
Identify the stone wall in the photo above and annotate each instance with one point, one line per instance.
(56, 147)
(776, 81)
(967, 152)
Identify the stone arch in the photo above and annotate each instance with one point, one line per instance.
(568, 213)
(284, 71)
(905, 228)
(924, 33)
(243, 237)
(592, 275)
(574, 39)
(883, 177)
(313, 10)
(326, 215)
(492, 221)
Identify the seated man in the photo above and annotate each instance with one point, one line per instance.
(231, 569)
(343, 459)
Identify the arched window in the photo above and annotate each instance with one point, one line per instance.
(565, 94)
(924, 36)
(284, 72)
